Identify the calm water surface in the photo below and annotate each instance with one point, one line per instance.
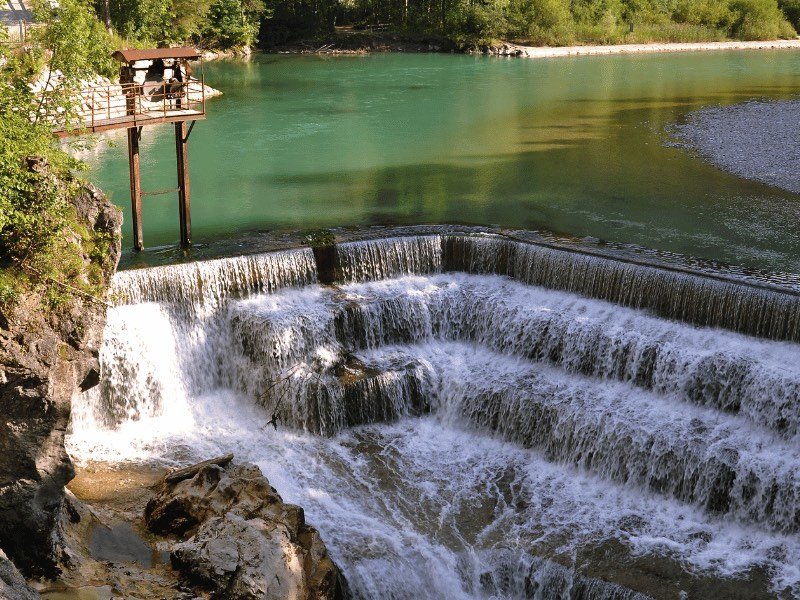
(575, 146)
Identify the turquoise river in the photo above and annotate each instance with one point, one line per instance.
(577, 146)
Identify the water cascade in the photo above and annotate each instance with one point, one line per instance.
(474, 416)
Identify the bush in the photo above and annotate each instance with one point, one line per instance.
(541, 22)
(758, 20)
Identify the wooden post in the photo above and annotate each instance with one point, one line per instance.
(136, 187)
(184, 207)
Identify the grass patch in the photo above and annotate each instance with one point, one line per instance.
(647, 34)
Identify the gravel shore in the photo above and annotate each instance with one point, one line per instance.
(548, 52)
(756, 140)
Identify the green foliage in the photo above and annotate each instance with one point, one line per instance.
(31, 205)
(480, 23)
(233, 23)
(71, 46)
(189, 18)
(35, 175)
(791, 8)
(758, 20)
(228, 23)
(214, 23)
(77, 42)
(541, 22)
(9, 291)
(550, 22)
(147, 21)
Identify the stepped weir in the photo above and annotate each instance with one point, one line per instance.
(473, 416)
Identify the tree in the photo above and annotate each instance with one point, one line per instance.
(72, 45)
(234, 22)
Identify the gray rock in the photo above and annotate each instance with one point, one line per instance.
(243, 541)
(45, 359)
(12, 584)
(241, 559)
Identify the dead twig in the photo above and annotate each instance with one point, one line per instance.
(263, 396)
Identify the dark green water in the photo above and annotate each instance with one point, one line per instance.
(570, 145)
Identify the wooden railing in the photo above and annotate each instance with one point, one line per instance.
(117, 106)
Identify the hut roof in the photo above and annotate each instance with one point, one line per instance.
(132, 55)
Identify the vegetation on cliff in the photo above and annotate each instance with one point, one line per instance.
(41, 241)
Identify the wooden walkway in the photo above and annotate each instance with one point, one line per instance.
(135, 120)
(125, 106)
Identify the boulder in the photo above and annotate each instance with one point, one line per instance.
(242, 541)
(244, 559)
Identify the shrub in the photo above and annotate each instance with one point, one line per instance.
(541, 22)
(758, 20)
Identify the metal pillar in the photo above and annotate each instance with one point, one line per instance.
(136, 186)
(182, 154)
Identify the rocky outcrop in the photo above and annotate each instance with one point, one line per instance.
(12, 584)
(45, 358)
(242, 541)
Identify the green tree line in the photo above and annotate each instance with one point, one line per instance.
(229, 23)
(541, 22)
(208, 23)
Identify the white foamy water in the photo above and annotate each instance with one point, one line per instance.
(480, 437)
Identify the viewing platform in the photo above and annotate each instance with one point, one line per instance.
(156, 86)
(122, 106)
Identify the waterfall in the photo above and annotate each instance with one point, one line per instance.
(214, 281)
(473, 416)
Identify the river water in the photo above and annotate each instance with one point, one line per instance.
(573, 146)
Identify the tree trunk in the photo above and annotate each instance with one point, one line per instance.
(107, 16)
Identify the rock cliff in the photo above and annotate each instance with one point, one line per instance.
(46, 356)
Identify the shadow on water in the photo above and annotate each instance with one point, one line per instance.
(121, 544)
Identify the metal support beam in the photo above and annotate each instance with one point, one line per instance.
(184, 207)
(136, 187)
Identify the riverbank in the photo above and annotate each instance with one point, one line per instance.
(508, 49)
(347, 41)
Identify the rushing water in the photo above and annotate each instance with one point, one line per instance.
(568, 145)
(458, 428)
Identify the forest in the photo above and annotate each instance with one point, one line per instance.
(467, 23)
